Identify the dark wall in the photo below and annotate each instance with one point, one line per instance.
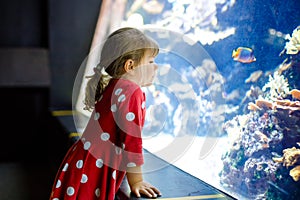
(23, 23)
(42, 44)
(24, 76)
(64, 27)
(71, 28)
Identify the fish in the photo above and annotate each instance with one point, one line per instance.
(243, 55)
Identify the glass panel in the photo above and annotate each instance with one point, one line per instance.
(225, 103)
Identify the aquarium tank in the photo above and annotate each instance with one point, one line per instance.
(225, 105)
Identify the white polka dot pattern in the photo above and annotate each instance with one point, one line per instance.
(118, 150)
(79, 164)
(114, 174)
(121, 98)
(84, 178)
(118, 91)
(58, 184)
(70, 191)
(143, 105)
(96, 116)
(113, 108)
(97, 192)
(131, 164)
(127, 107)
(65, 167)
(130, 116)
(105, 136)
(99, 163)
(87, 145)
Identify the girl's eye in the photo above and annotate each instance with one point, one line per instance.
(151, 62)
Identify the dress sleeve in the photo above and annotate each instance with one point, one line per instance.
(130, 119)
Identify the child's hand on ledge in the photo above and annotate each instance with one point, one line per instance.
(137, 184)
(143, 188)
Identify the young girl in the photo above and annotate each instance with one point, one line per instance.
(111, 144)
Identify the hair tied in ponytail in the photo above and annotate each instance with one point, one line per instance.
(97, 70)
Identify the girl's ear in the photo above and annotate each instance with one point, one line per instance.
(129, 64)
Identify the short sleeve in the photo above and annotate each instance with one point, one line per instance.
(130, 117)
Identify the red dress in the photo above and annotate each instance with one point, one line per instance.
(95, 165)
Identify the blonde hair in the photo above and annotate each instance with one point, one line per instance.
(121, 45)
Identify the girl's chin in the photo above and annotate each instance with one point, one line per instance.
(148, 83)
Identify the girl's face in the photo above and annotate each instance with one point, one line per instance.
(144, 73)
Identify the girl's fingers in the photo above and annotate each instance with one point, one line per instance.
(137, 193)
(156, 190)
(146, 192)
(152, 192)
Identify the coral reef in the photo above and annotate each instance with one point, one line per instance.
(291, 157)
(295, 93)
(278, 87)
(295, 173)
(293, 45)
(253, 163)
(262, 161)
(290, 67)
(249, 161)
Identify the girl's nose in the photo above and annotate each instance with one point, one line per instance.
(155, 66)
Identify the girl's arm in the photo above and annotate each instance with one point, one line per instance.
(137, 184)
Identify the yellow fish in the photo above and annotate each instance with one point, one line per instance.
(243, 55)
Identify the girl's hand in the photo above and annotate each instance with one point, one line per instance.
(146, 189)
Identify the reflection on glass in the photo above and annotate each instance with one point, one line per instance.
(214, 111)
